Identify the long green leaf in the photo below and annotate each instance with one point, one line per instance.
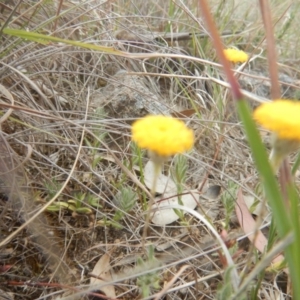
(45, 39)
(283, 221)
(264, 168)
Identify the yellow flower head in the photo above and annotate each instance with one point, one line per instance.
(236, 56)
(165, 136)
(280, 116)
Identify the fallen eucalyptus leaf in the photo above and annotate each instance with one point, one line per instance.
(248, 225)
(164, 183)
(167, 216)
(102, 271)
(255, 207)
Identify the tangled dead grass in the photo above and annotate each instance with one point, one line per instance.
(67, 140)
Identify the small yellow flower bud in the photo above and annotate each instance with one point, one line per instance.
(236, 56)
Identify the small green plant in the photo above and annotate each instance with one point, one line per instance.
(101, 133)
(225, 288)
(228, 200)
(137, 155)
(51, 188)
(180, 169)
(137, 159)
(179, 175)
(150, 280)
(81, 203)
(125, 200)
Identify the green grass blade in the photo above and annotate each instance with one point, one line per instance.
(283, 221)
(45, 39)
(265, 170)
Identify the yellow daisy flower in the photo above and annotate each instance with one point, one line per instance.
(236, 56)
(164, 136)
(282, 117)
